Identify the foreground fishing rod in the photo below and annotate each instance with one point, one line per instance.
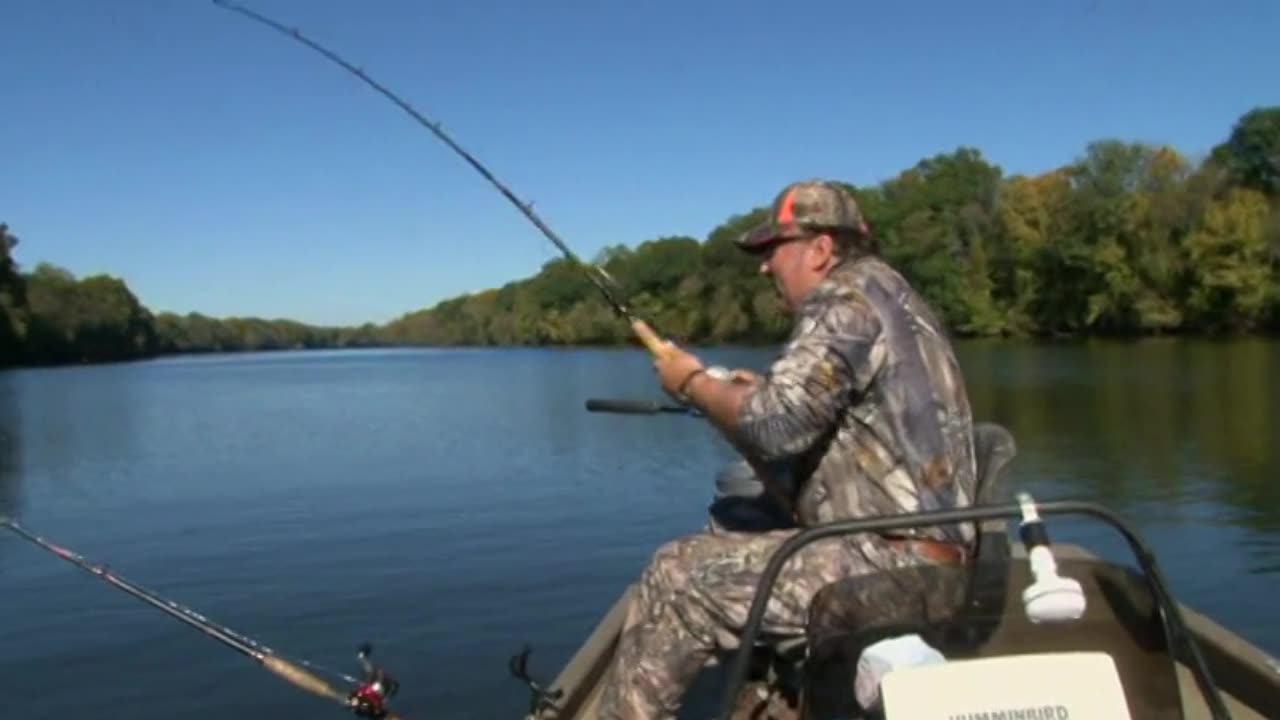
(365, 699)
(600, 278)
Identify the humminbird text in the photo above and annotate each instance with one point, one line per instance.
(1048, 712)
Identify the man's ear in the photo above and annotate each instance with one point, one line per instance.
(823, 251)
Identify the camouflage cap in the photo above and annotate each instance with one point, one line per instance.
(805, 207)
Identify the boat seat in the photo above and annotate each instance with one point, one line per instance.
(843, 604)
(976, 611)
(853, 613)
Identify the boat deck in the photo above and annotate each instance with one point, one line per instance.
(1248, 678)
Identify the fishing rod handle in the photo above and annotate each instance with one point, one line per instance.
(632, 407)
(656, 345)
(306, 680)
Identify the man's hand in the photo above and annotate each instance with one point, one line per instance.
(685, 377)
(675, 366)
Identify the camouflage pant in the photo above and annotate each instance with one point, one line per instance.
(692, 602)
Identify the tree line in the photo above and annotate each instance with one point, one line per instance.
(50, 317)
(1128, 239)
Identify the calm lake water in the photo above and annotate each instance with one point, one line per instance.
(448, 506)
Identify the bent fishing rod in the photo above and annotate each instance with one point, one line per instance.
(600, 278)
(365, 699)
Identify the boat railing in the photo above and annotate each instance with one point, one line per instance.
(1173, 624)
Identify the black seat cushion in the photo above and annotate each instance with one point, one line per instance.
(851, 614)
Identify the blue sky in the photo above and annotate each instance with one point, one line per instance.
(218, 166)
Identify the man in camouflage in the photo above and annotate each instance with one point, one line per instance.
(864, 413)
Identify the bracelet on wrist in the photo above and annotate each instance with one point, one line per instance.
(684, 384)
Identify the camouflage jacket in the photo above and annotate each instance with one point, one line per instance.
(865, 411)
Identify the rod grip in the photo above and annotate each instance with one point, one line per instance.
(306, 680)
(631, 407)
(656, 345)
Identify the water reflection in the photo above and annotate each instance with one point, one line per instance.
(11, 499)
(10, 447)
(81, 430)
(1175, 429)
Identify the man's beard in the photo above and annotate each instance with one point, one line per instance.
(778, 288)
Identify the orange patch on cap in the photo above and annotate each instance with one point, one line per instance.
(786, 213)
